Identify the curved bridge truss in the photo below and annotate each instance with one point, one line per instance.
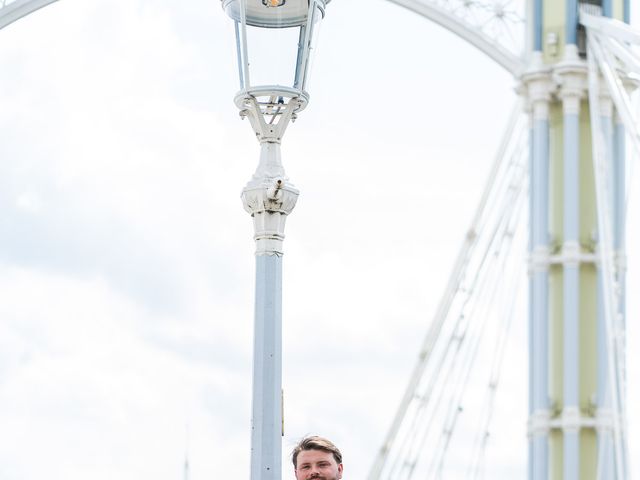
(12, 10)
(495, 27)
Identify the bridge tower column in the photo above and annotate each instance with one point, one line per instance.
(570, 414)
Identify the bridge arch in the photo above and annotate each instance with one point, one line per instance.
(12, 11)
(474, 35)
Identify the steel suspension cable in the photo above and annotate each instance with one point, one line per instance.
(461, 335)
(617, 90)
(496, 287)
(477, 458)
(476, 467)
(457, 274)
(611, 309)
(610, 48)
(507, 316)
(616, 53)
(609, 65)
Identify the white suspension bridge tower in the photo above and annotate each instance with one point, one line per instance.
(576, 71)
(562, 159)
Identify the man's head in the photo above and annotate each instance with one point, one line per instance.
(317, 458)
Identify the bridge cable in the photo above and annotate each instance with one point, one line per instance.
(405, 461)
(611, 305)
(498, 291)
(458, 334)
(457, 274)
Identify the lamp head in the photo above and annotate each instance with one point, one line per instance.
(272, 13)
(275, 44)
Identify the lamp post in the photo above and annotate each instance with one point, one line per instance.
(275, 41)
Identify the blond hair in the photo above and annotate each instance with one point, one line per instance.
(316, 443)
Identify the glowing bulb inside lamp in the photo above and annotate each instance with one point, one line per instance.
(273, 3)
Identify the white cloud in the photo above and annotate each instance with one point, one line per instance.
(88, 385)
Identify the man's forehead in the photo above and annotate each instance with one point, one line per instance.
(314, 456)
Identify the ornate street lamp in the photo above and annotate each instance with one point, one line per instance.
(275, 41)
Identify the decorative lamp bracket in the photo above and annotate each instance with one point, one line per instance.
(270, 109)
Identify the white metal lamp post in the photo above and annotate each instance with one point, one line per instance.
(275, 40)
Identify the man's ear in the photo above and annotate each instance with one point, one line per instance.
(339, 471)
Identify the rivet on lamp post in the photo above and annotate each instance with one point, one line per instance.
(275, 41)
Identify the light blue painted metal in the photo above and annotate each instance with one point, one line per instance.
(571, 292)
(607, 8)
(571, 282)
(571, 466)
(537, 21)
(627, 11)
(606, 455)
(605, 451)
(531, 310)
(266, 424)
(530, 249)
(20, 8)
(571, 26)
(571, 332)
(605, 438)
(532, 149)
(603, 399)
(540, 454)
(604, 402)
(540, 295)
(540, 184)
(541, 378)
(540, 464)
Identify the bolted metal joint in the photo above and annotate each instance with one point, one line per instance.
(274, 193)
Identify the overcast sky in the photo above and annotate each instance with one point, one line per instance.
(126, 258)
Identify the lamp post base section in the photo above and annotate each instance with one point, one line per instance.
(267, 428)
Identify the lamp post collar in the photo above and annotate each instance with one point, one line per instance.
(269, 197)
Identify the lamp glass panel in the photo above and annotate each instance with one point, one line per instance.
(276, 40)
(315, 23)
(272, 55)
